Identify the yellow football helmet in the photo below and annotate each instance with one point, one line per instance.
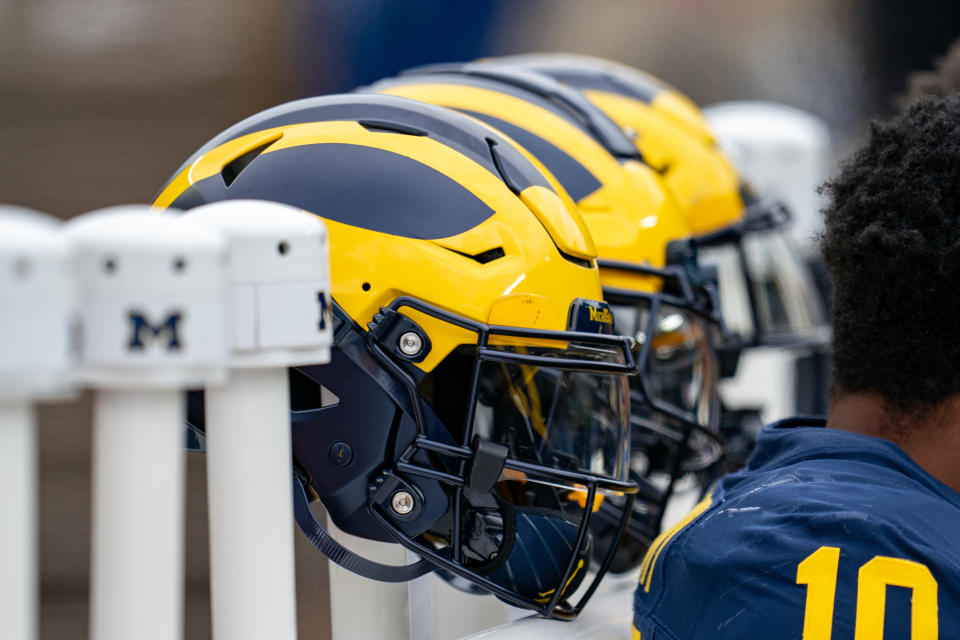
(474, 366)
(650, 280)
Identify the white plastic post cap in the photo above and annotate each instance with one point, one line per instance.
(758, 133)
(153, 299)
(37, 312)
(782, 151)
(280, 281)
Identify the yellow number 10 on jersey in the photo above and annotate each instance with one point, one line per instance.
(819, 572)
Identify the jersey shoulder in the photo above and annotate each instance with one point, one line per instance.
(740, 566)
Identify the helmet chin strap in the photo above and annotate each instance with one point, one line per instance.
(342, 556)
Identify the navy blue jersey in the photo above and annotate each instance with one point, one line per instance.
(826, 535)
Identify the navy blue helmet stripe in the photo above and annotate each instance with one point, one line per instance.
(406, 198)
(586, 73)
(575, 178)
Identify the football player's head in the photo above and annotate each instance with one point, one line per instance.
(648, 269)
(476, 407)
(892, 247)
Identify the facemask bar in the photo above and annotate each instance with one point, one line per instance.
(625, 345)
(701, 300)
(759, 216)
(551, 609)
(463, 453)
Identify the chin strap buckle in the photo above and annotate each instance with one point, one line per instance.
(486, 465)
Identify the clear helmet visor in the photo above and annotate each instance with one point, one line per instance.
(563, 419)
(566, 431)
(681, 370)
(787, 300)
(766, 289)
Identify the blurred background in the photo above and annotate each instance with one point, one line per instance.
(101, 100)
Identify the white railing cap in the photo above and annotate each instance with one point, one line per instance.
(38, 308)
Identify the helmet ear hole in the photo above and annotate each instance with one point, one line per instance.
(306, 394)
(365, 286)
(446, 389)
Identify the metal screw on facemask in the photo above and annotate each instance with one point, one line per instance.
(411, 343)
(402, 503)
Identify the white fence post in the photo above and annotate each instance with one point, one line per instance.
(36, 315)
(153, 306)
(280, 315)
(363, 608)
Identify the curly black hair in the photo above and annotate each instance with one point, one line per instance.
(892, 246)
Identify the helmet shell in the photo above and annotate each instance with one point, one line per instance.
(418, 201)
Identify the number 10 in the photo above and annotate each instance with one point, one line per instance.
(819, 572)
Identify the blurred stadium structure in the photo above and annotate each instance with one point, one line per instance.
(101, 99)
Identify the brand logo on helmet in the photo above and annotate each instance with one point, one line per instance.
(601, 315)
(591, 316)
(144, 332)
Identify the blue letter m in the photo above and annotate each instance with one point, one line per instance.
(143, 331)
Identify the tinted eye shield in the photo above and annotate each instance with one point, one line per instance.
(646, 392)
(678, 289)
(693, 286)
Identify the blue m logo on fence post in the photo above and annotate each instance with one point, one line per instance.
(143, 331)
(322, 299)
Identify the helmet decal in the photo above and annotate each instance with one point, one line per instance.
(402, 202)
